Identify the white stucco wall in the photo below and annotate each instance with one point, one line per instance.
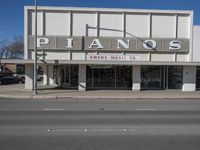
(164, 25)
(196, 43)
(84, 24)
(140, 27)
(29, 76)
(189, 78)
(136, 78)
(71, 21)
(82, 77)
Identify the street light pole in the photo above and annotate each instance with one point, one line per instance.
(35, 46)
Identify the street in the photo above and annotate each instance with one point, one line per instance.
(100, 124)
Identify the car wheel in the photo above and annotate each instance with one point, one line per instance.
(20, 82)
(0, 82)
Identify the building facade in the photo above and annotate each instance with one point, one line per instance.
(98, 48)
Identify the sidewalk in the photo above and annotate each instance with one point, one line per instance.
(18, 91)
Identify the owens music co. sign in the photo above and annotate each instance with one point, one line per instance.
(109, 43)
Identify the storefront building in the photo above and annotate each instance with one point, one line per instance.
(98, 48)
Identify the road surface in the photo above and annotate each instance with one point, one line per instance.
(109, 124)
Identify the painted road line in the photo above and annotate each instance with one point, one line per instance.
(146, 109)
(110, 130)
(64, 130)
(53, 109)
(90, 130)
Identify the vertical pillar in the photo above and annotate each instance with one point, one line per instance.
(82, 77)
(136, 78)
(45, 75)
(50, 75)
(29, 76)
(189, 78)
(59, 76)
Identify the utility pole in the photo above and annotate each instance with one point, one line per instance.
(35, 46)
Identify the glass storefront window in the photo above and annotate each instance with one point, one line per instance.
(175, 75)
(151, 77)
(109, 76)
(66, 76)
(124, 76)
(198, 77)
(161, 77)
(120, 77)
(74, 75)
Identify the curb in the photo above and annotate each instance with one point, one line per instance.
(15, 97)
(89, 97)
(43, 97)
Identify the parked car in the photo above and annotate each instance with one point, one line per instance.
(21, 78)
(8, 78)
(39, 77)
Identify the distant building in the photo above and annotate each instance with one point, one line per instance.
(99, 48)
(15, 68)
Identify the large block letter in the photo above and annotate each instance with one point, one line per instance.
(42, 41)
(96, 43)
(122, 43)
(149, 44)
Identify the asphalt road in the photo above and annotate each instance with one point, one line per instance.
(112, 124)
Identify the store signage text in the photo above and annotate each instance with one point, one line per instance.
(110, 43)
(112, 57)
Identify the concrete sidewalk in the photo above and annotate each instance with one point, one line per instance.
(18, 91)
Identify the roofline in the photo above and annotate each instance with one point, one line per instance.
(93, 9)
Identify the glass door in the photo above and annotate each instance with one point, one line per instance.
(104, 77)
(109, 77)
(65, 76)
(69, 76)
(175, 75)
(124, 77)
(152, 77)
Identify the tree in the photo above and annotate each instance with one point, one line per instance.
(17, 48)
(11, 49)
(4, 46)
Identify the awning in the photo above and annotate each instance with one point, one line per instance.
(61, 62)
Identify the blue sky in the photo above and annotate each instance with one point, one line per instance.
(12, 18)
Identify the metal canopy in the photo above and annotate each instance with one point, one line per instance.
(57, 62)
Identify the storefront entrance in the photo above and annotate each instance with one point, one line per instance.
(109, 77)
(152, 77)
(66, 76)
(161, 77)
(120, 77)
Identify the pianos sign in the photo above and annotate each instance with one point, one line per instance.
(110, 44)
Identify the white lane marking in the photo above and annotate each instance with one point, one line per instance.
(90, 130)
(53, 109)
(146, 109)
(64, 130)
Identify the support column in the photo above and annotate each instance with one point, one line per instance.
(82, 77)
(45, 75)
(136, 78)
(50, 75)
(29, 76)
(189, 78)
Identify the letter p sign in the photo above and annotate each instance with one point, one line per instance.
(42, 41)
